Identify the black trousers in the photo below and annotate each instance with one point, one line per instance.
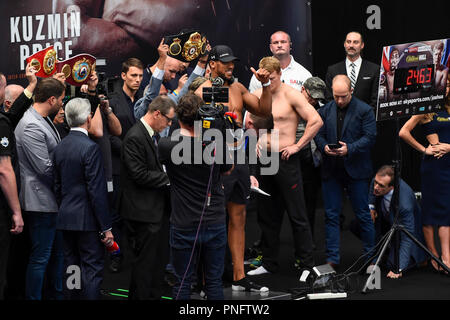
(286, 192)
(311, 184)
(149, 246)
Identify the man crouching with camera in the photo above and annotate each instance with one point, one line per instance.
(198, 226)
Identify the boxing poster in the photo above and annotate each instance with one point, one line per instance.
(413, 78)
(114, 30)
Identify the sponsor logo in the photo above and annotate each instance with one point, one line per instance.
(411, 59)
(4, 142)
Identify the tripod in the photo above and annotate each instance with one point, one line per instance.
(396, 227)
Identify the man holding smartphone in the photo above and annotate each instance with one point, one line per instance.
(345, 140)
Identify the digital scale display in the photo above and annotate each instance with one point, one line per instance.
(413, 79)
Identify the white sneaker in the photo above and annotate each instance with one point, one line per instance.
(257, 271)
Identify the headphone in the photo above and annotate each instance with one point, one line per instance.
(219, 82)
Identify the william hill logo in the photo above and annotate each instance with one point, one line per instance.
(411, 59)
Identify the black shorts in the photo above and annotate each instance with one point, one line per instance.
(237, 184)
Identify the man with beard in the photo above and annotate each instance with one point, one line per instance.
(363, 74)
(237, 184)
(36, 140)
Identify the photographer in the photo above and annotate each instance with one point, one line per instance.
(198, 203)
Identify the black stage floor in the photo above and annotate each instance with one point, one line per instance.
(418, 283)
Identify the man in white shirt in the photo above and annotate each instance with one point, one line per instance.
(292, 73)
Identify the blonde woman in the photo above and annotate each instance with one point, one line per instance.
(435, 175)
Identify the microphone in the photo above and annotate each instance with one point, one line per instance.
(111, 247)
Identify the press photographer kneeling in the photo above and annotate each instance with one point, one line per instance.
(198, 225)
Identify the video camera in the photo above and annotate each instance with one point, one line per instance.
(107, 86)
(213, 114)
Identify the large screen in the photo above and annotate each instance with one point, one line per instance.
(413, 78)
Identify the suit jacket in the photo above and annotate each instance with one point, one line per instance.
(36, 142)
(409, 218)
(358, 132)
(80, 185)
(366, 87)
(125, 115)
(144, 192)
(18, 108)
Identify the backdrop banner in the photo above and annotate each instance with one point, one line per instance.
(114, 30)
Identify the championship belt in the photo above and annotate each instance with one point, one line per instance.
(44, 62)
(78, 69)
(186, 46)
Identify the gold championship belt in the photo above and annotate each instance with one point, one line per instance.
(44, 61)
(186, 46)
(78, 69)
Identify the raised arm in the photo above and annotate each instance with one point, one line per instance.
(262, 106)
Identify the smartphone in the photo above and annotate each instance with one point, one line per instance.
(334, 145)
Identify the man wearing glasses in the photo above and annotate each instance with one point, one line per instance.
(345, 141)
(143, 200)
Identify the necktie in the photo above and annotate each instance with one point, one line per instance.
(156, 139)
(385, 207)
(353, 75)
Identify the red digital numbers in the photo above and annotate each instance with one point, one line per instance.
(423, 75)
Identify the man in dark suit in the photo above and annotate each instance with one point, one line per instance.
(122, 102)
(382, 212)
(365, 76)
(80, 189)
(345, 141)
(143, 200)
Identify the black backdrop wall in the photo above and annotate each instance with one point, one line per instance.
(381, 23)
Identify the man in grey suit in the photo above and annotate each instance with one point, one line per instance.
(36, 139)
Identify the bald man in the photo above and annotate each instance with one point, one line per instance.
(292, 72)
(345, 141)
(12, 92)
(2, 88)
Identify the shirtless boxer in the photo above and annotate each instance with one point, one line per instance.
(237, 184)
(289, 106)
(440, 71)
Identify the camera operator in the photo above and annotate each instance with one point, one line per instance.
(198, 203)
